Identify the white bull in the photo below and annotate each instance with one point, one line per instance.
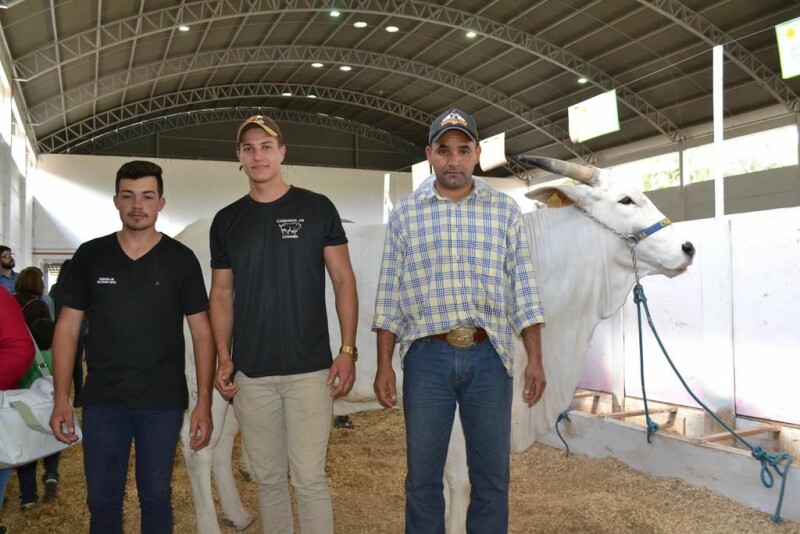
(584, 273)
(216, 457)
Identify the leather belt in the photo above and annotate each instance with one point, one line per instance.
(462, 337)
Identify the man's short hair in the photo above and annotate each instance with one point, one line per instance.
(268, 125)
(30, 280)
(3, 249)
(133, 170)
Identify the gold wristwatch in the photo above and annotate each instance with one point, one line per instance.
(351, 350)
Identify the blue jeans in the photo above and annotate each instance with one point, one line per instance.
(27, 477)
(5, 474)
(107, 437)
(436, 378)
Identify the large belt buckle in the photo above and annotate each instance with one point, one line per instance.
(462, 337)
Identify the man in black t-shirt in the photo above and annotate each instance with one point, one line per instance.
(135, 286)
(269, 252)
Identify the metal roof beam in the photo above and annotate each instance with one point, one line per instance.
(54, 27)
(695, 23)
(179, 66)
(162, 104)
(173, 121)
(71, 48)
(75, 133)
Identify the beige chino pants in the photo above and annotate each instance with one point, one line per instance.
(285, 422)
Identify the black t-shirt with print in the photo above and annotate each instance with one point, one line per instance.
(276, 252)
(135, 350)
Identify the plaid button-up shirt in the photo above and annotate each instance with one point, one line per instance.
(448, 264)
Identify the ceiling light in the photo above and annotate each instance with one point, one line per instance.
(317, 65)
(286, 93)
(360, 24)
(471, 35)
(582, 80)
(335, 13)
(392, 29)
(183, 28)
(312, 96)
(346, 68)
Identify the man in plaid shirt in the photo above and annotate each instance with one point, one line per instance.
(456, 276)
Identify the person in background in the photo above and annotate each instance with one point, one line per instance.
(77, 373)
(46, 298)
(29, 288)
(16, 355)
(7, 264)
(136, 286)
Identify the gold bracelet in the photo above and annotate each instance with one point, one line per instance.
(351, 350)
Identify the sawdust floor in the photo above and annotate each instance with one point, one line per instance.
(550, 494)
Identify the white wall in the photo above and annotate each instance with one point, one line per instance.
(516, 189)
(16, 228)
(74, 195)
(762, 190)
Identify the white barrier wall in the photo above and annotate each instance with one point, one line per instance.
(761, 190)
(15, 209)
(74, 195)
(766, 290)
(758, 375)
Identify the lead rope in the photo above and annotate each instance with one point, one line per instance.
(780, 462)
(565, 416)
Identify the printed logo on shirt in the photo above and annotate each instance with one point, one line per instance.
(106, 280)
(290, 228)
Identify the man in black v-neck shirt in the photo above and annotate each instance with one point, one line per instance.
(135, 286)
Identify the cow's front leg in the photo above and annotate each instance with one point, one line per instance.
(198, 466)
(222, 467)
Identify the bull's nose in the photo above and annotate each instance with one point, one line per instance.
(688, 249)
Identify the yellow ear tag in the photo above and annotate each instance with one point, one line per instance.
(554, 201)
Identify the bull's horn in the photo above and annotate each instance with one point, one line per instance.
(582, 173)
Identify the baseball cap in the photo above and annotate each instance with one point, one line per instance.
(265, 123)
(453, 119)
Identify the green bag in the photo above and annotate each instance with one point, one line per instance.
(35, 370)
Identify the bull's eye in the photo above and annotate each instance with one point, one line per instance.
(626, 200)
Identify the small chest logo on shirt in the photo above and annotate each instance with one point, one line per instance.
(106, 280)
(290, 228)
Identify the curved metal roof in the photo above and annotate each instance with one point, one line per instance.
(103, 76)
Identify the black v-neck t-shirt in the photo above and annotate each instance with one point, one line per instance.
(135, 350)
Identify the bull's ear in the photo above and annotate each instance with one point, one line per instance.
(558, 196)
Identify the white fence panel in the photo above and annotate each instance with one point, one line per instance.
(765, 332)
(766, 294)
